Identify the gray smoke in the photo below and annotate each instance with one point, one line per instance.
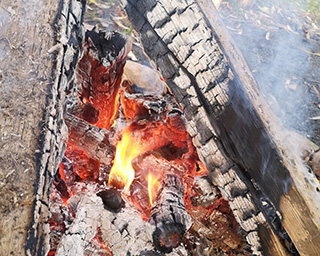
(276, 41)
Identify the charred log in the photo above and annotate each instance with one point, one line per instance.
(168, 217)
(89, 138)
(99, 74)
(112, 199)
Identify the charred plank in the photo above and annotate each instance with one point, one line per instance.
(227, 117)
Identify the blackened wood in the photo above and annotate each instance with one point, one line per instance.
(99, 74)
(168, 217)
(89, 138)
(112, 199)
(237, 136)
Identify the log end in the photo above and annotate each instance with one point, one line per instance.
(168, 236)
(112, 200)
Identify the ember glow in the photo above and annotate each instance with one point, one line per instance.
(153, 187)
(122, 173)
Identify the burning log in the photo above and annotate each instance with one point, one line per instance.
(91, 139)
(168, 217)
(99, 73)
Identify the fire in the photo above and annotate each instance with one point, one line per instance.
(122, 173)
(153, 187)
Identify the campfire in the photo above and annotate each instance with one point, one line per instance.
(131, 182)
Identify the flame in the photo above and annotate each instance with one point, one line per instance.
(153, 187)
(122, 172)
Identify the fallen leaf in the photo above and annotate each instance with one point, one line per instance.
(268, 35)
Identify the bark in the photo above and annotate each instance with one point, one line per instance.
(236, 135)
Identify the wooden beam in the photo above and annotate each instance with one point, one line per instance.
(273, 163)
(233, 128)
(40, 44)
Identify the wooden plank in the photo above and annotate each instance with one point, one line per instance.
(233, 128)
(25, 70)
(34, 40)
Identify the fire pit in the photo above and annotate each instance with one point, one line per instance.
(132, 182)
(191, 162)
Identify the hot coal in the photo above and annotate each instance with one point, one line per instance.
(168, 236)
(112, 200)
(67, 169)
(90, 113)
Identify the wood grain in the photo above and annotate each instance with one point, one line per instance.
(38, 43)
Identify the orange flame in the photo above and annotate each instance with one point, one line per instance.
(153, 187)
(122, 172)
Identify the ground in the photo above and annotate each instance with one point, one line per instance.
(280, 41)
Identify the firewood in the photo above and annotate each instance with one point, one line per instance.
(168, 217)
(99, 74)
(91, 139)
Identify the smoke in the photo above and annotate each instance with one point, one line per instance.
(276, 41)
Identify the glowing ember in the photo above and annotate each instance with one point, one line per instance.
(153, 187)
(122, 172)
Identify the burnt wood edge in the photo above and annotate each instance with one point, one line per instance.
(230, 144)
(301, 190)
(89, 138)
(69, 33)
